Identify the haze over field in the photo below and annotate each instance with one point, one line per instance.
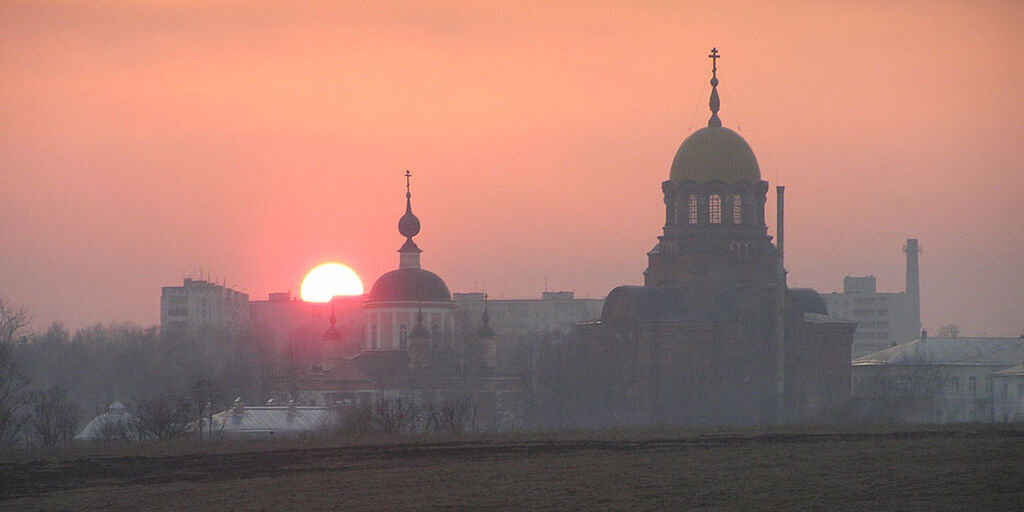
(142, 141)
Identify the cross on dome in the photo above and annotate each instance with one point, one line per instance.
(714, 103)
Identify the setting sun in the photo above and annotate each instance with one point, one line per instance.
(330, 279)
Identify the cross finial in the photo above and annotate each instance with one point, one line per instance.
(407, 176)
(714, 103)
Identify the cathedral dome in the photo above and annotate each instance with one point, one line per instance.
(715, 153)
(409, 285)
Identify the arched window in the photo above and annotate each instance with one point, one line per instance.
(715, 209)
(403, 336)
(693, 209)
(737, 209)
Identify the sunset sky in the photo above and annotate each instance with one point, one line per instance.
(140, 142)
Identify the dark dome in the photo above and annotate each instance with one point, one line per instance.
(409, 285)
(409, 225)
(715, 153)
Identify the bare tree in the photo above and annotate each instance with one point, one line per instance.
(203, 393)
(453, 415)
(164, 417)
(52, 417)
(12, 381)
(12, 320)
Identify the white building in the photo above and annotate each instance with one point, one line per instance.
(1008, 394)
(883, 319)
(199, 304)
(270, 421)
(940, 380)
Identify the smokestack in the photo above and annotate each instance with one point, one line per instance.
(780, 314)
(913, 284)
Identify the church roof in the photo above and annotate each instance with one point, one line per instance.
(714, 153)
(808, 300)
(949, 351)
(409, 285)
(382, 364)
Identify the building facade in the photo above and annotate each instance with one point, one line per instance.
(714, 336)
(940, 380)
(884, 319)
(198, 304)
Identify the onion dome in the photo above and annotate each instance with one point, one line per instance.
(332, 333)
(485, 330)
(408, 225)
(714, 152)
(409, 284)
(418, 330)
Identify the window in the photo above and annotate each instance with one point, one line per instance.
(373, 336)
(972, 384)
(403, 336)
(715, 209)
(693, 209)
(737, 209)
(955, 383)
(436, 333)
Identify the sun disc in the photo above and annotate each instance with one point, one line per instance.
(328, 280)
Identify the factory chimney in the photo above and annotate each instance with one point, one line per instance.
(913, 286)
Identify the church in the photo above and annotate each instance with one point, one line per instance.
(714, 336)
(411, 350)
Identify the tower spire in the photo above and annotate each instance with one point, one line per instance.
(714, 103)
(409, 226)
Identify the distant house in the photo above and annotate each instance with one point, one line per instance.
(940, 380)
(270, 420)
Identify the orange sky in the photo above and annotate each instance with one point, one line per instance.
(142, 141)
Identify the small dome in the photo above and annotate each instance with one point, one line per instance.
(409, 224)
(715, 153)
(409, 285)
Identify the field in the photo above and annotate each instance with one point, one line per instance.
(872, 470)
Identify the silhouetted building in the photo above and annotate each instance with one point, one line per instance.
(714, 336)
(514, 317)
(411, 351)
(883, 319)
(198, 304)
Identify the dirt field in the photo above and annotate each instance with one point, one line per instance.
(927, 470)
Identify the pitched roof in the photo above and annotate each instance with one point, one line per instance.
(271, 419)
(1016, 371)
(949, 351)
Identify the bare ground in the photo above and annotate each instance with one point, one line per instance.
(904, 470)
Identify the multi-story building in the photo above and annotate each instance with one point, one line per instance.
(884, 319)
(199, 304)
(942, 380)
(514, 317)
